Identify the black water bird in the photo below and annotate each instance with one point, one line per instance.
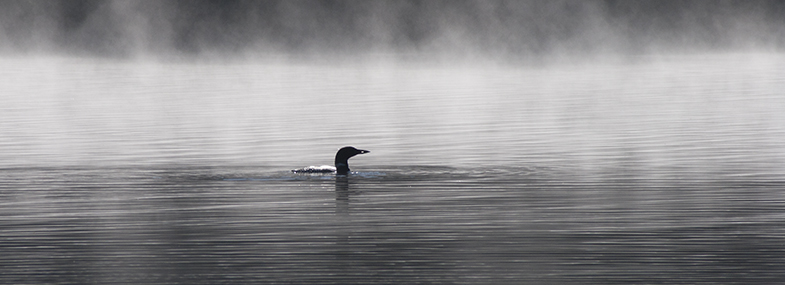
(341, 162)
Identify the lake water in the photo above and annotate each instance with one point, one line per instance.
(660, 170)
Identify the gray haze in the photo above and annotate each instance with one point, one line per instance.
(478, 28)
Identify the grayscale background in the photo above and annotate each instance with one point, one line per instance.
(512, 142)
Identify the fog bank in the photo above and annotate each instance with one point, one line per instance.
(490, 29)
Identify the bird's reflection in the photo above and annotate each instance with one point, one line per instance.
(343, 230)
(342, 195)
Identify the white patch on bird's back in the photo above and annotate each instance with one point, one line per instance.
(315, 169)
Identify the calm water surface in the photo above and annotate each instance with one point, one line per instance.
(662, 170)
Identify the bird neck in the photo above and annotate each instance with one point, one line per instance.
(342, 167)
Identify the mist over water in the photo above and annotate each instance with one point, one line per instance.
(488, 30)
(543, 142)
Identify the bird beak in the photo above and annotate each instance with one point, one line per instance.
(363, 151)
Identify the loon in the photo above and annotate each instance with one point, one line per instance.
(341, 162)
